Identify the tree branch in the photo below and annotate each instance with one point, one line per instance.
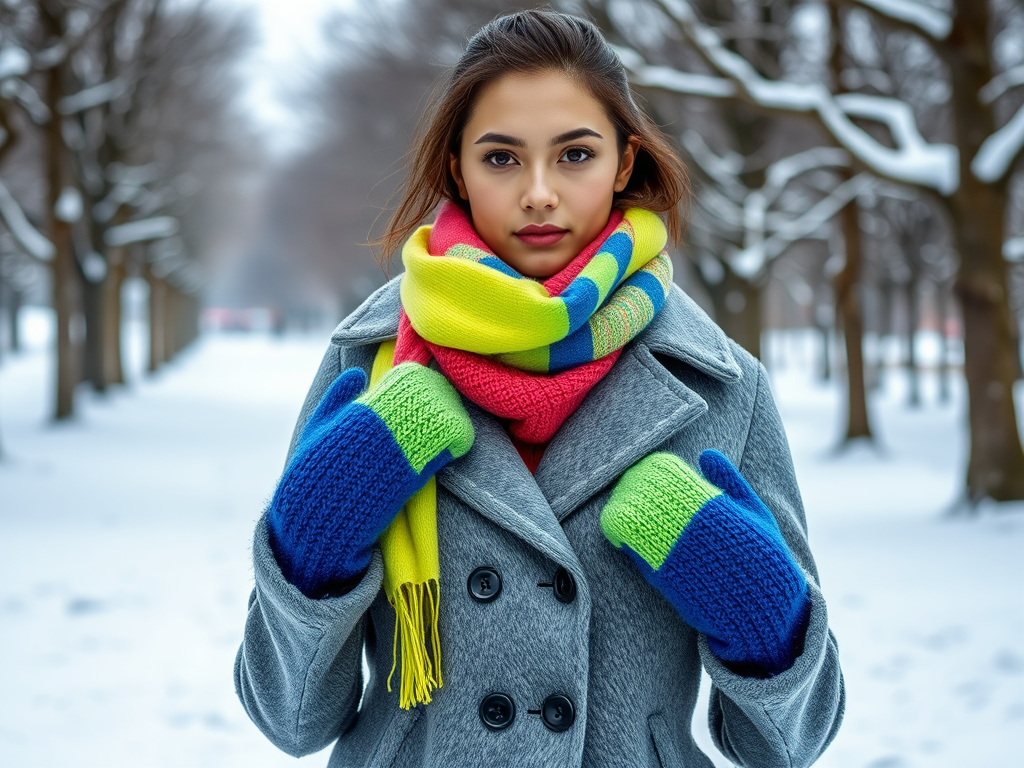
(996, 155)
(27, 236)
(910, 14)
(913, 161)
(1001, 83)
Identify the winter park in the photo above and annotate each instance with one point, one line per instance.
(193, 196)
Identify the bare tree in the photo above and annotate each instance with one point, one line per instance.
(969, 176)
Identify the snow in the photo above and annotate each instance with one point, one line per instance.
(27, 96)
(69, 205)
(998, 151)
(1001, 83)
(155, 228)
(27, 236)
(91, 97)
(918, 13)
(124, 561)
(14, 62)
(1013, 249)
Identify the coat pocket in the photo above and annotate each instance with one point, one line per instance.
(666, 746)
(663, 746)
(394, 737)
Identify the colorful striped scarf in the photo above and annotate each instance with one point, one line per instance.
(524, 350)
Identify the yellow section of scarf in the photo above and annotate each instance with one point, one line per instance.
(412, 575)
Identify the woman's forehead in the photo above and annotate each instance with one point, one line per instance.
(536, 108)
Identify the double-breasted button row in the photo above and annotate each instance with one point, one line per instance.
(484, 585)
(497, 711)
(563, 586)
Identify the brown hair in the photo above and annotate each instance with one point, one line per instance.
(526, 42)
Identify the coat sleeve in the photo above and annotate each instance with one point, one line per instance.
(298, 672)
(789, 719)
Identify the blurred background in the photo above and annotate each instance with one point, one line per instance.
(186, 190)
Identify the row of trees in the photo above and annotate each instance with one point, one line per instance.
(919, 105)
(120, 149)
(833, 142)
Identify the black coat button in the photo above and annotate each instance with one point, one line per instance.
(497, 711)
(558, 712)
(564, 586)
(484, 584)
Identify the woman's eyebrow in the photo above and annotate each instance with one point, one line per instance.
(562, 138)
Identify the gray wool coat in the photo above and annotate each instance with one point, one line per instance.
(619, 651)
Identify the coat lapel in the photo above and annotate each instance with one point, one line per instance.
(493, 480)
(637, 406)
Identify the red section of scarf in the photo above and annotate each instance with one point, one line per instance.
(535, 404)
(530, 453)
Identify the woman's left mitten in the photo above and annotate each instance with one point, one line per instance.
(714, 550)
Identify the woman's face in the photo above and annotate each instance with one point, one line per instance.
(538, 165)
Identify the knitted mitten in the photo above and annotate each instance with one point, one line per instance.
(357, 461)
(716, 554)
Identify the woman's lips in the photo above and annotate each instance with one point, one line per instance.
(545, 235)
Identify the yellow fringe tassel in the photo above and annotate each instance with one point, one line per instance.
(415, 614)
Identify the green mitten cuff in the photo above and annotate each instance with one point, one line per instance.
(423, 411)
(652, 503)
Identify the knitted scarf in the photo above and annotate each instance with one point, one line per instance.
(525, 350)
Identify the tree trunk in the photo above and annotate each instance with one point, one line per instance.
(156, 321)
(14, 299)
(996, 465)
(737, 304)
(113, 371)
(850, 321)
(849, 316)
(942, 291)
(170, 326)
(94, 310)
(65, 271)
(913, 370)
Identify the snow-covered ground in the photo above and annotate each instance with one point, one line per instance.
(124, 564)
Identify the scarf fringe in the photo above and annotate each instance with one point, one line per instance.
(416, 611)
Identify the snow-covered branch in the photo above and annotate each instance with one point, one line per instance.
(783, 171)
(14, 62)
(156, 228)
(1001, 83)
(752, 258)
(27, 236)
(670, 79)
(998, 151)
(91, 97)
(723, 169)
(746, 212)
(1013, 249)
(933, 22)
(913, 161)
(16, 89)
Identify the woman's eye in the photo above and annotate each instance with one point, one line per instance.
(577, 155)
(500, 159)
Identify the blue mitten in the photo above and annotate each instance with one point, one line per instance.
(359, 458)
(714, 550)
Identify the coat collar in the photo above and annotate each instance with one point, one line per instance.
(635, 408)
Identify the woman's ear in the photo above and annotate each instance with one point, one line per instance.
(456, 169)
(626, 163)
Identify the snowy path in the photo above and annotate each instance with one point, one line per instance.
(124, 569)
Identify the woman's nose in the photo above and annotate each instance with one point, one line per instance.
(540, 194)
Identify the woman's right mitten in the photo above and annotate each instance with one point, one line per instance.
(359, 458)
